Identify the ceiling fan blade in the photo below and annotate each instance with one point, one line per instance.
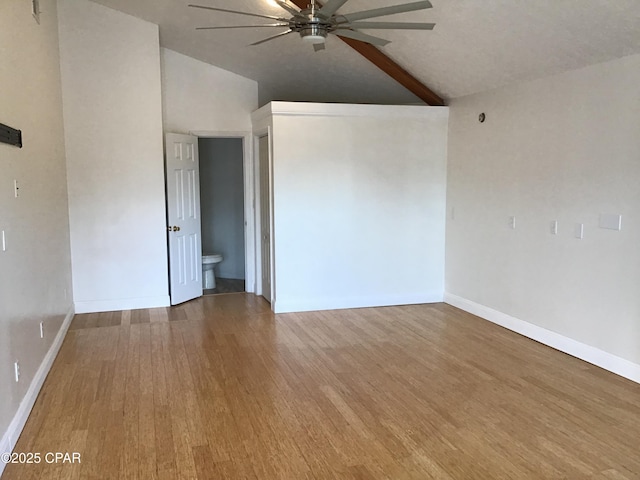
(240, 13)
(318, 46)
(391, 26)
(363, 37)
(331, 7)
(273, 38)
(245, 26)
(380, 12)
(283, 4)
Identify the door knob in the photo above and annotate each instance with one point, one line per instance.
(176, 229)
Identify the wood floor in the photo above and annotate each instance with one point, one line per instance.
(220, 388)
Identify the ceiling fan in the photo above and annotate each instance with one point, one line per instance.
(315, 22)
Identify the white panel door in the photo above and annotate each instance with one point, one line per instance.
(183, 217)
(265, 217)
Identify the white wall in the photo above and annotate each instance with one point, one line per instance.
(359, 205)
(222, 203)
(200, 97)
(110, 66)
(563, 148)
(35, 269)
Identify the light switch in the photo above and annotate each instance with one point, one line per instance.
(512, 222)
(579, 230)
(553, 227)
(611, 221)
(4, 242)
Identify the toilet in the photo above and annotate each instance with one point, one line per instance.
(208, 273)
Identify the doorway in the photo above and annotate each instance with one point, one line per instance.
(186, 264)
(222, 203)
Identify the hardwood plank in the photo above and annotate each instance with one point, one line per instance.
(223, 388)
(164, 443)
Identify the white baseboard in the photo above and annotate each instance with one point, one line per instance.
(10, 437)
(333, 303)
(122, 304)
(589, 354)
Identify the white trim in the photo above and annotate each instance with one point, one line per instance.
(250, 214)
(589, 354)
(97, 306)
(272, 220)
(265, 130)
(257, 230)
(10, 437)
(261, 116)
(349, 110)
(333, 303)
(219, 133)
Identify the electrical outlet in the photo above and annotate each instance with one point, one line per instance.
(4, 241)
(16, 367)
(512, 223)
(553, 227)
(41, 329)
(579, 231)
(611, 221)
(16, 188)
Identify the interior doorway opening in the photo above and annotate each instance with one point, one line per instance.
(222, 204)
(187, 270)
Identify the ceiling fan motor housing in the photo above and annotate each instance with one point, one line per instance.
(314, 29)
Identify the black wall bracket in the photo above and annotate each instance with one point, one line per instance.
(10, 135)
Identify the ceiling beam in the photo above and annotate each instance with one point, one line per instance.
(395, 71)
(388, 66)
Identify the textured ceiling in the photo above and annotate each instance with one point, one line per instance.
(476, 45)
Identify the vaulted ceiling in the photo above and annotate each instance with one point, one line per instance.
(476, 45)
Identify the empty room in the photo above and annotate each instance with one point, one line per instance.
(333, 239)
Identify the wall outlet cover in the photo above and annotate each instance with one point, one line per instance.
(611, 221)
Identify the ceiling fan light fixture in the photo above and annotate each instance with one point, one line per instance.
(313, 34)
(314, 39)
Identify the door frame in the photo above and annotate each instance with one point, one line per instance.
(257, 134)
(249, 200)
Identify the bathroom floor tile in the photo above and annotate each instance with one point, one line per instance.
(226, 285)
